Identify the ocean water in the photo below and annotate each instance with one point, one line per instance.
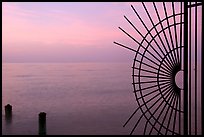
(78, 98)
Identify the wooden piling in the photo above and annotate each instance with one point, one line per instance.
(42, 123)
(8, 110)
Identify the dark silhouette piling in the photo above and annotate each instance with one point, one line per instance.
(42, 123)
(8, 111)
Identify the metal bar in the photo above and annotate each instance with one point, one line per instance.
(163, 31)
(169, 93)
(149, 82)
(185, 68)
(160, 22)
(185, 62)
(132, 116)
(181, 6)
(175, 114)
(202, 100)
(143, 105)
(150, 108)
(169, 98)
(143, 46)
(166, 115)
(151, 77)
(195, 5)
(135, 51)
(142, 36)
(170, 49)
(189, 80)
(159, 94)
(169, 63)
(136, 124)
(150, 71)
(179, 113)
(124, 46)
(145, 127)
(165, 85)
(181, 32)
(140, 54)
(170, 32)
(154, 27)
(175, 31)
(196, 57)
(150, 66)
(151, 87)
(171, 115)
(144, 25)
(162, 124)
(156, 32)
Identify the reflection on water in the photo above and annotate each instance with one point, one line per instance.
(8, 119)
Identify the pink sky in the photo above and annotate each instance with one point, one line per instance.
(61, 32)
(68, 32)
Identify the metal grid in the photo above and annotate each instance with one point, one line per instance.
(163, 52)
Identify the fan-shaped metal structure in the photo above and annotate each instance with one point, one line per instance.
(161, 55)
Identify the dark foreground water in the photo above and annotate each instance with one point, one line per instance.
(79, 98)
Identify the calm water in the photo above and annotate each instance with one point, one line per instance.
(79, 98)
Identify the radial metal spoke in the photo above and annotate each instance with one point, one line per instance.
(144, 82)
(161, 112)
(152, 67)
(151, 76)
(144, 25)
(148, 88)
(143, 105)
(144, 114)
(169, 63)
(175, 115)
(167, 85)
(150, 71)
(175, 31)
(157, 33)
(145, 127)
(140, 54)
(172, 43)
(169, 121)
(163, 30)
(168, 67)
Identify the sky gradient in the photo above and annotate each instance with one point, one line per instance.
(75, 31)
(63, 32)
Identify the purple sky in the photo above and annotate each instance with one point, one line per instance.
(63, 32)
(71, 31)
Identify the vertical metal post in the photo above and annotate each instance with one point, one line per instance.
(181, 31)
(185, 68)
(196, 57)
(202, 101)
(189, 78)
